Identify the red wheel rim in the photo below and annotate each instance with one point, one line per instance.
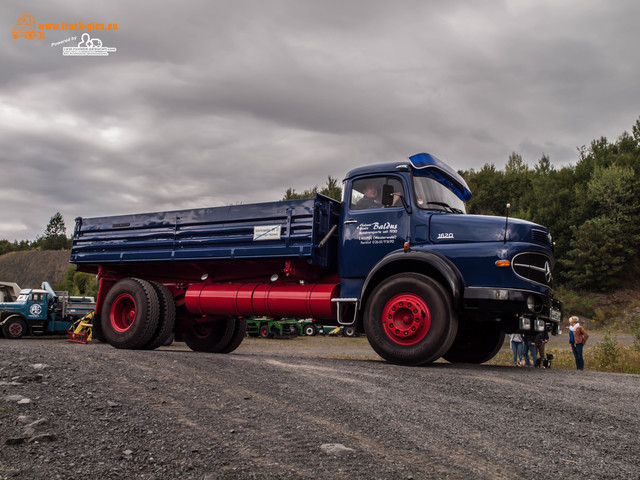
(406, 319)
(123, 313)
(15, 328)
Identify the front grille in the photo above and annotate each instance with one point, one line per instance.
(540, 236)
(535, 267)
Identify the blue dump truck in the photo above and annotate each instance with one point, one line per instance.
(398, 259)
(42, 311)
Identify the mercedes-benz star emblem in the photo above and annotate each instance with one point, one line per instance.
(547, 272)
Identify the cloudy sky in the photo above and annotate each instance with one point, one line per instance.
(213, 102)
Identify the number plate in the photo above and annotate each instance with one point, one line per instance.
(556, 315)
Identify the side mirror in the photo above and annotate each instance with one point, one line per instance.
(387, 195)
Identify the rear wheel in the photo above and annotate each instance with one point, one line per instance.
(409, 320)
(237, 337)
(475, 343)
(130, 314)
(15, 327)
(212, 337)
(310, 330)
(96, 329)
(167, 317)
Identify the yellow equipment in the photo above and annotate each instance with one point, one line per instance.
(80, 330)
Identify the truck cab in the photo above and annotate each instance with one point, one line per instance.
(409, 218)
(28, 313)
(39, 311)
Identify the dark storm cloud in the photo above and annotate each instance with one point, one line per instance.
(210, 103)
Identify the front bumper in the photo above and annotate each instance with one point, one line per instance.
(530, 309)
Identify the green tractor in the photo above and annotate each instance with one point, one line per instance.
(266, 327)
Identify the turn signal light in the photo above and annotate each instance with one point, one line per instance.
(407, 247)
(502, 263)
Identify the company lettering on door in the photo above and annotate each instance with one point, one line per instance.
(377, 233)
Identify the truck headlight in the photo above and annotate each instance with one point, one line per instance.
(531, 303)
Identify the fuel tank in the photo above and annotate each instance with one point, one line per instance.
(264, 299)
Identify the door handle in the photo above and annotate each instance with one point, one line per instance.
(349, 222)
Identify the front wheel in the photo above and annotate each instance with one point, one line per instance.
(409, 320)
(14, 328)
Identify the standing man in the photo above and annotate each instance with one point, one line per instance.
(541, 341)
(529, 346)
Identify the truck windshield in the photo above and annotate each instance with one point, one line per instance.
(432, 195)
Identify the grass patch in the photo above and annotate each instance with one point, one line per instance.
(608, 355)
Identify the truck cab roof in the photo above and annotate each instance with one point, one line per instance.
(378, 168)
(421, 164)
(29, 291)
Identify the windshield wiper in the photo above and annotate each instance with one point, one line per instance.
(446, 206)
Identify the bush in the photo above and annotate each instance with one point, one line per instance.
(78, 283)
(636, 333)
(578, 303)
(607, 353)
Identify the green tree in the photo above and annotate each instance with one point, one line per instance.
(612, 192)
(488, 186)
(55, 235)
(606, 218)
(598, 255)
(332, 189)
(7, 247)
(518, 185)
(78, 283)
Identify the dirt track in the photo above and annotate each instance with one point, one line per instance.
(275, 409)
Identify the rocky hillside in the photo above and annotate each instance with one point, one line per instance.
(29, 269)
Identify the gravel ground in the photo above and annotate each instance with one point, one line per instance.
(306, 408)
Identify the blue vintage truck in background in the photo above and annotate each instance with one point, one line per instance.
(398, 259)
(41, 312)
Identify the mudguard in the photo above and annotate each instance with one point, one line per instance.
(429, 263)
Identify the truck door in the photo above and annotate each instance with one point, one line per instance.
(371, 230)
(37, 306)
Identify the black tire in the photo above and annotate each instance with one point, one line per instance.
(409, 320)
(130, 314)
(15, 327)
(211, 337)
(475, 343)
(349, 331)
(238, 336)
(310, 330)
(167, 317)
(96, 329)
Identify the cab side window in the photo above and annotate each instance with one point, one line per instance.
(366, 193)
